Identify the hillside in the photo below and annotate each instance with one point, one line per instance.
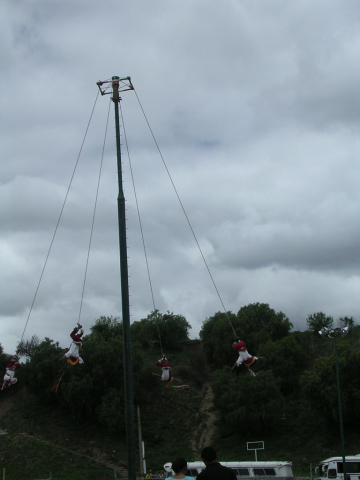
(42, 440)
(45, 436)
(166, 410)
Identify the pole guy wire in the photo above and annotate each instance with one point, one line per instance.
(58, 221)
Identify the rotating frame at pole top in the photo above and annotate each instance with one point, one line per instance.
(118, 85)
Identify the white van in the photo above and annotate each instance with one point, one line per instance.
(244, 470)
(333, 468)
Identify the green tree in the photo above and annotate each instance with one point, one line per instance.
(4, 359)
(42, 371)
(217, 337)
(95, 388)
(107, 327)
(255, 324)
(319, 384)
(317, 321)
(84, 386)
(260, 321)
(346, 322)
(27, 347)
(170, 329)
(287, 360)
(247, 402)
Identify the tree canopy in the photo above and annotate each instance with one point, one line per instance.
(286, 360)
(169, 329)
(246, 402)
(255, 324)
(27, 347)
(258, 320)
(296, 365)
(107, 327)
(319, 384)
(319, 320)
(95, 388)
(4, 358)
(346, 322)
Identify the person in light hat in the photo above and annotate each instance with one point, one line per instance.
(72, 355)
(244, 356)
(9, 377)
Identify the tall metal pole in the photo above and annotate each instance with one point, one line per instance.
(340, 411)
(333, 333)
(130, 436)
(140, 445)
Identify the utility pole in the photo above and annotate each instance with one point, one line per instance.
(141, 451)
(340, 409)
(333, 333)
(120, 85)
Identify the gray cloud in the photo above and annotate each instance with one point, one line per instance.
(255, 109)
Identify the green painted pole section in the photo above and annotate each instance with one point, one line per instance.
(129, 413)
(340, 411)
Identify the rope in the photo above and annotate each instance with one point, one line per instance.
(58, 222)
(93, 219)
(140, 223)
(55, 387)
(186, 216)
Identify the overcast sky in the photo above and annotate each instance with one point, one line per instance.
(255, 106)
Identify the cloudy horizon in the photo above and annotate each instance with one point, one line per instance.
(256, 110)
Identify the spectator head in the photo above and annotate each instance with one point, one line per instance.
(179, 464)
(208, 454)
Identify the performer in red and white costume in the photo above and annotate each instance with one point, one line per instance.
(244, 356)
(9, 377)
(165, 367)
(72, 355)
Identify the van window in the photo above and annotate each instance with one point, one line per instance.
(262, 472)
(321, 470)
(243, 472)
(332, 473)
(270, 471)
(351, 467)
(259, 471)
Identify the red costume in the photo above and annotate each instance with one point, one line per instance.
(13, 364)
(75, 337)
(73, 355)
(164, 365)
(244, 356)
(9, 377)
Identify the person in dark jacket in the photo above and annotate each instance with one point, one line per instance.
(214, 470)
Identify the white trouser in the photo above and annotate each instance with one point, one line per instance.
(11, 374)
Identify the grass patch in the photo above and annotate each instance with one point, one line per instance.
(28, 458)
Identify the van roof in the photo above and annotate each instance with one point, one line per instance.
(244, 464)
(339, 459)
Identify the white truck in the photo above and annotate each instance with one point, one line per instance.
(332, 468)
(244, 470)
